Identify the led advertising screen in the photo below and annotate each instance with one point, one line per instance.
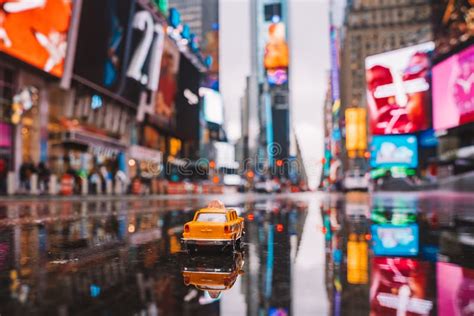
(276, 49)
(453, 24)
(165, 105)
(398, 90)
(356, 132)
(455, 286)
(401, 286)
(393, 240)
(213, 106)
(277, 77)
(453, 90)
(394, 151)
(36, 32)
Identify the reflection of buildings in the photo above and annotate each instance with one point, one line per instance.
(274, 233)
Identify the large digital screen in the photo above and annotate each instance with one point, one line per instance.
(401, 286)
(398, 90)
(453, 90)
(356, 131)
(394, 151)
(165, 105)
(36, 32)
(213, 106)
(276, 49)
(453, 24)
(394, 240)
(455, 286)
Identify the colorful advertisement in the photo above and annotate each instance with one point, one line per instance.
(277, 77)
(165, 105)
(394, 240)
(36, 32)
(455, 286)
(5, 135)
(453, 24)
(400, 286)
(394, 151)
(453, 90)
(356, 131)
(398, 90)
(276, 49)
(213, 106)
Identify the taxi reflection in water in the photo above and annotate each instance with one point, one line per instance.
(213, 226)
(213, 274)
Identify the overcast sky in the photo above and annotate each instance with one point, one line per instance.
(309, 48)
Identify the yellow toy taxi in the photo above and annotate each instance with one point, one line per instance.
(213, 226)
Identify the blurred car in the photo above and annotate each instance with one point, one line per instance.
(356, 180)
(213, 273)
(267, 186)
(213, 227)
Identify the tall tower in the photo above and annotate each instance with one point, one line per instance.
(269, 122)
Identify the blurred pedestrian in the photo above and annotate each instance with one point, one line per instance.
(44, 175)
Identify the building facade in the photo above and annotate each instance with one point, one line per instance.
(372, 27)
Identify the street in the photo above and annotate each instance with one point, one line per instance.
(303, 254)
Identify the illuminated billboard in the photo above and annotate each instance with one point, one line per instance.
(453, 24)
(394, 151)
(276, 49)
(455, 297)
(36, 32)
(394, 240)
(165, 106)
(398, 91)
(213, 105)
(453, 90)
(356, 131)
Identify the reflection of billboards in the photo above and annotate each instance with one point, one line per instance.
(453, 90)
(276, 49)
(36, 33)
(277, 77)
(393, 240)
(168, 86)
(394, 151)
(398, 90)
(455, 286)
(357, 260)
(400, 286)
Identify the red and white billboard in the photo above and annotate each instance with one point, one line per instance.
(35, 31)
(398, 90)
(453, 90)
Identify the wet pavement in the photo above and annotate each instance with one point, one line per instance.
(303, 254)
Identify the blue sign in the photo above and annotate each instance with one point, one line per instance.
(394, 151)
(428, 138)
(394, 240)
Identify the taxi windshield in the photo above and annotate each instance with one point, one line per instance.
(211, 217)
